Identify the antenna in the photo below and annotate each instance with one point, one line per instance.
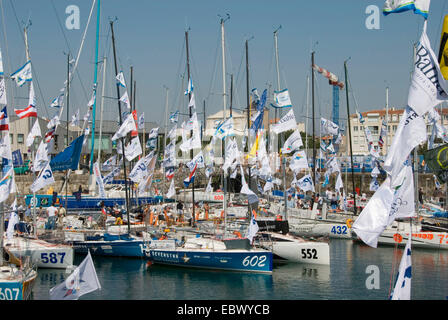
(222, 19)
(276, 30)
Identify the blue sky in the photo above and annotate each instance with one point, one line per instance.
(150, 37)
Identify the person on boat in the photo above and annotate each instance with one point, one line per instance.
(52, 213)
(28, 217)
(62, 213)
(180, 208)
(290, 202)
(420, 195)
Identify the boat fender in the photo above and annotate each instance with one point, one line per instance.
(349, 223)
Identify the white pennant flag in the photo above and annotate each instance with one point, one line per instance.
(402, 289)
(172, 134)
(293, 142)
(13, 220)
(125, 99)
(287, 122)
(120, 78)
(389, 202)
(339, 183)
(306, 183)
(82, 281)
(410, 133)
(23, 74)
(298, 161)
(7, 185)
(141, 121)
(133, 149)
(428, 87)
(5, 147)
(253, 228)
(99, 179)
(209, 186)
(53, 122)
(75, 119)
(192, 102)
(35, 132)
(44, 179)
(171, 191)
(41, 157)
(232, 153)
(3, 100)
(127, 126)
(140, 169)
(328, 127)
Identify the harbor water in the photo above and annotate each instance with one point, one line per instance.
(356, 272)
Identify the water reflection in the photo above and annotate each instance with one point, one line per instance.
(345, 278)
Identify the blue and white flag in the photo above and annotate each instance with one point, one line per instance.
(360, 117)
(198, 161)
(141, 121)
(82, 281)
(287, 122)
(306, 183)
(224, 129)
(57, 102)
(44, 179)
(13, 220)
(23, 74)
(120, 79)
(253, 229)
(418, 6)
(110, 177)
(174, 117)
(190, 87)
(402, 290)
(99, 179)
(282, 99)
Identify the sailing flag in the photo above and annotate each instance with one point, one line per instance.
(374, 185)
(255, 146)
(13, 220)
(172, 134)
(29, 111)
(410, 133)
(44, 179)
(190, 87)
(125, 99)
(120, 79)
(418, 6)
(49, 134)
(109, 164)
(23, 74)
(282, 99)
(82, 281)
(3, 100)
(169, 173)
(360, 117)
(402, 289)
(7, 184)
(443, 49)
(298, 161)
(127, 126)
(133, 149)
(232, 153)
(251, 196)
(5, 147)
(383, 134)
(69, 157)
(99, 179)
(389, 202)
(57, 102)
(328, 127)
(339, 183)
(197, 160)
(253, 228)
(428, 87)
(287, 122)
(141, 121)
(153, 133)
(140, 169)
(306, 183)
(437, 161)
(174, 117)
(224, 129)
(4, 121)
(54, 122)
(75, 119)
(209, 187)
(293, 142)
(171, 191)
(190, 178)
(110, 177)
(41, 157)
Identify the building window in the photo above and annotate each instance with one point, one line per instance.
(11, 136)
(355, 128)
(20, 138)
(373, 129)
(394, 128)
(394, 117)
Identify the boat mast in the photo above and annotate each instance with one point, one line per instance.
(102, 107)
(278, 78)
(120, 117)
(67, 113)
(313, 115)
(191, 114)
(387, 120)
(224, 100)
(95, 80)
(350, 137)
(248, 112)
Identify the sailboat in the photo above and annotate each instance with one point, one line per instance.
(201, 251)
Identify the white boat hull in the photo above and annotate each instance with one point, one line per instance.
(43, 254)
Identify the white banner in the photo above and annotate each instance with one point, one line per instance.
(133, 149)
(293, 142)
(282, 99)
(44, 179)
(127, 126)
(306, 183)
(99, 179)
(287, 122)
(428, 87)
